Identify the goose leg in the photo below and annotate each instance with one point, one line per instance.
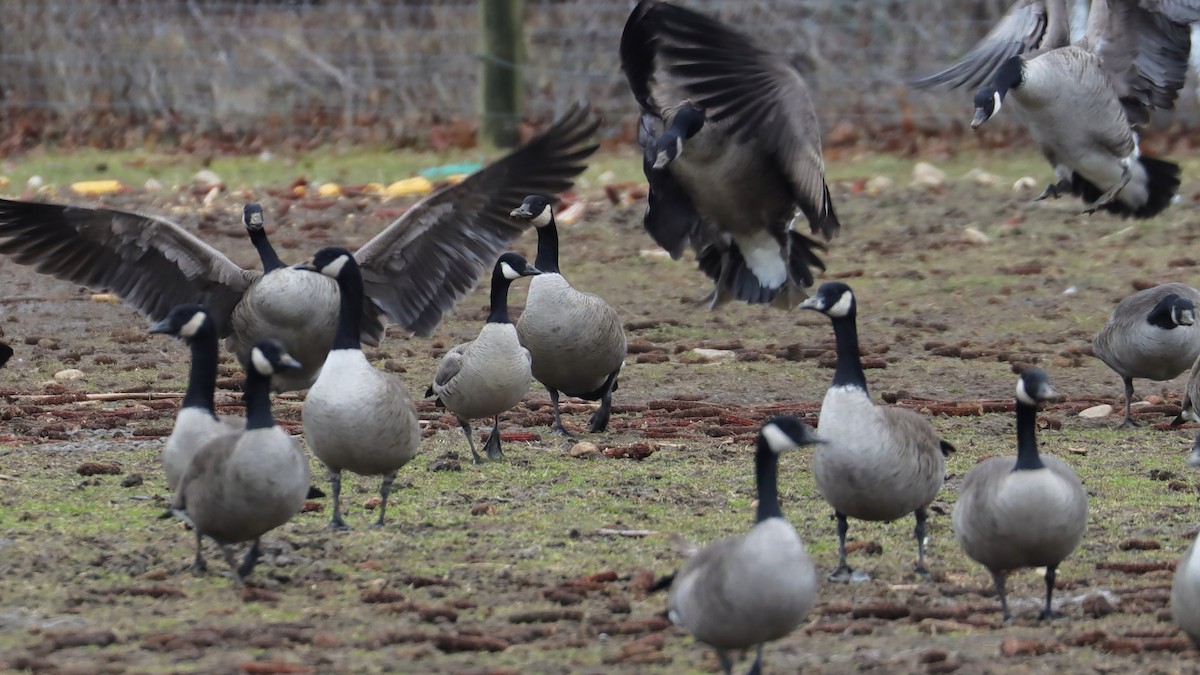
(466, 427)
(233, 565)
(492, 447)
(1048, 611)
(384, 491)
(199, 566)
(1108, 197)
(600, 417)
(558, 425)
(726, 662)
(756, 669)
(998, 580)
(249, 561)
(919, 533)
(335, 482)
(1128, 422)
(1054, 190)
(843, 573)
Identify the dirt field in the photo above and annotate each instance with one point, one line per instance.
(523, 566)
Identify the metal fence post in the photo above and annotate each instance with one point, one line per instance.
(503, 47)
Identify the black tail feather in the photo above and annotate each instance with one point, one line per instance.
(1162, 182)
(663, 583)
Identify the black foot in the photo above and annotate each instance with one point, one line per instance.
(561, 430)
(845, 575)
(922, 571)
(1128, 423)
(1049, 615)
(1054, 190)
(598, 422)
(249, 561)
(492, 447)
(198, 567)
(339, 525)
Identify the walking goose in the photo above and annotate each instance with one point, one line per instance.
(575, 339)
(1185, 594)
(243, 484)
(877, 463)
(746, 590)
(1083, 101)
(753, 154)
(414, 270)
(1152, 334)
(197, 421)
(490, 374)
(1029, 515)
(356, 418)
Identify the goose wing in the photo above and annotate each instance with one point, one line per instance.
(420, 265)
(150, 263)
(1027, 26)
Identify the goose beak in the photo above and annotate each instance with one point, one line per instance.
(306, 265)
(160, 327)
(286, 361)
(981, 116)
(812, 302)
(521, 213)
(531, 271)
(1048, 393)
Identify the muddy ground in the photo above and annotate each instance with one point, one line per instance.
(540, 564)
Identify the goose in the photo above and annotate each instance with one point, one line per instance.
(1031, 514)
(877, 463)
(1082, 102)
(243, 484)
(6, 353)
(197, 421)
(356, 417)
(574, 338)
(414, 270)
(745, 590)
(731, 150)
(1152, 334)
(1190, 404)
(1185, 594)
(490, 374)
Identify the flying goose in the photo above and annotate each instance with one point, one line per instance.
(745, 590)
(413, 271)
(490, 374)
(356, 418)
(1083, 101)
(877, 463)
(574, 338)
(1032, 514)
(1152, 334)
(242, 484)
(731, 149)
(1185, 594)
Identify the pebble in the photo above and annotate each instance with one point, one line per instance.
(206, 178)
(879, 184)
(69, 374)
(981, 177)
(925, 174)
(714, 355)
(1097, 411)
(975, 236)
(1024, 183)
(584, 450)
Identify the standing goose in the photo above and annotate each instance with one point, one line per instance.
(575, 338)
(746, 590)
(877, 463)
(197, 421)
(413, 271)
(356, 417)
(1151, 334)
(243, 484)
(739, 154)
(1083, 101)
(1029, 515)
(490, 374)
(1185, 594)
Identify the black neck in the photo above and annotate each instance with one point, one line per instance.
(499, 298)
(766, 476)
(849, 362)
(350, 287)
(547, 251)
(202, 378)
(270, 261)
(1161, 317)
(258, 401)
(1027, 451)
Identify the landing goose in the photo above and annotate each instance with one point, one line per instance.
(731, 149)
(575, 338)
(414, 270)
(356, 418)
(877, 463)
(746, 590)
(1152, 334)
(1185, 594)
(490, 374)
(243, 484)
(1083, 101)
(1031, 514)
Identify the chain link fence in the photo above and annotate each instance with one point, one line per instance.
(126, 72)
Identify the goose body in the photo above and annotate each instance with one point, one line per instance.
(877, 463)
(240, 485)
(490, 374)
(414, 270)
(746, 590)
(6, 353)
(1031, 514)
(575, 339)
(1185, 594)
(731, 149)
(1151, 334)
(356, 417)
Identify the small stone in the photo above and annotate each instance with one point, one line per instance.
(372, 503)
(925, 174)
(974, 236)
(1024, 184)
(879, 184)
(704, 355)
(483, 509)
(152, 185)
(981, 177)
(1097, 411)
(584, 450)
(206, 178)
(34, 182)
(69, 374)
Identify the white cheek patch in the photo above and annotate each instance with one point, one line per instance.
(777, 439)
(678, 147)
(508, 272)
(193, 325)
(1022, 395)
(842, 306)
(334, 268)
(543, 218)
(1186, 317)
(997, 101)
(260, 362)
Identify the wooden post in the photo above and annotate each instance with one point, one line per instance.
(503, 56)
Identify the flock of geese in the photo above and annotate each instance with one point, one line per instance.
(732, 153)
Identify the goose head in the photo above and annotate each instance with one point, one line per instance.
(513, 266)
(269, 357)
(252, 216)
(1171, 312)
(1033, 387)
(989, 99)
(331, 261)
(184, 321)
(687, 122)
(785, 432)
(536, 209)
(833, 299)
